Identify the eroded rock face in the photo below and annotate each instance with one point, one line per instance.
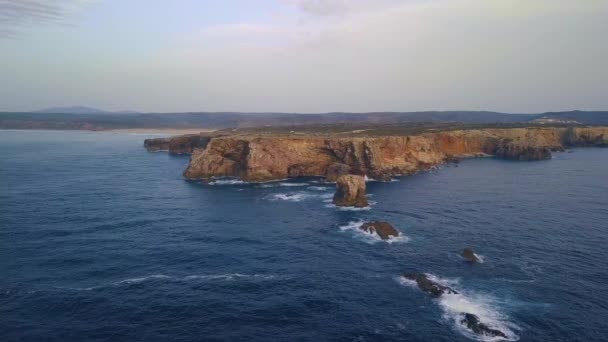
(519, 152)
(427, 285)
(350, 192)
(336, 170)
(473, 323)
(157, 144)
(383, 229)
(469, 255)
(272, 157)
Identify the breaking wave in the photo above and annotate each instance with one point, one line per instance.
(282, 184)
(455, 305)
(355, 228)
(227, 181)
(299, 196)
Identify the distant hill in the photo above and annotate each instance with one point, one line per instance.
(94, 119)
(80, 110)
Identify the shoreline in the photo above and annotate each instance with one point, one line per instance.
(167, 131)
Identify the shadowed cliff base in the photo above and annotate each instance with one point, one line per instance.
(263, 155)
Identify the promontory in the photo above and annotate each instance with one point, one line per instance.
(380, 153)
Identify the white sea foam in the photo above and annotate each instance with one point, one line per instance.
(291, 197)
(282, 184)
(355, 228)
(318, 188)
(333, 206)
(226, 181)
(142, 279)
(230, 277)
(299, 196)
(455, 305)
(292, 184)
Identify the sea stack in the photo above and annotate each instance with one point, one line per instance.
(350, 191)
(336, 170)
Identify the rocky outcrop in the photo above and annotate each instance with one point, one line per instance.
(271, 157)
(429, 286)
(469, 255)
(336, 170)
(523, 152)
(473, 323)
(182, 144)
(350, 192)
(383, 229)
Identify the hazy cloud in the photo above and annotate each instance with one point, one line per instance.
(17, 15)
(335, 7)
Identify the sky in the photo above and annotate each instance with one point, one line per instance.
(308, 56)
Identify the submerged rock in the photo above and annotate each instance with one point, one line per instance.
(473, 323)
(427, 285)
(350, 192)
(383, 229)
(469, 255)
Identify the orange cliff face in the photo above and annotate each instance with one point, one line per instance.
(271, 157)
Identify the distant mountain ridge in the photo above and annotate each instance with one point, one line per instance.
(80, 110)
(94, 119)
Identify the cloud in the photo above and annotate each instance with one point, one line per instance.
(18, 15)
(338, 7)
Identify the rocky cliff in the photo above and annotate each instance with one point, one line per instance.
(269, 157)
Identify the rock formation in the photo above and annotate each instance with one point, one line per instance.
(265, 157)
(336, 170)
(473, 323)
(427, 285)
(350, 191)
(469, 255)
(383, 229)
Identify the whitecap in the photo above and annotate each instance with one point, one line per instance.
(142, 279)
(333, 206)
(226, 181)
(230, 277)
(456, 304)
(292, 184)
(318, 188)
(355, 228)
(282, 184)
(291, 197)
(299, 196)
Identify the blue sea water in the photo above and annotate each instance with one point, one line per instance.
(101, 240)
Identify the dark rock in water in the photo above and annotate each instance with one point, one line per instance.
(470, 255)
(570, 151)
(336, 170)
(350, 192)
(472, 322)
(384, 229)
(425, 284)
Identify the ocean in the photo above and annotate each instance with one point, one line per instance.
(101, 240)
